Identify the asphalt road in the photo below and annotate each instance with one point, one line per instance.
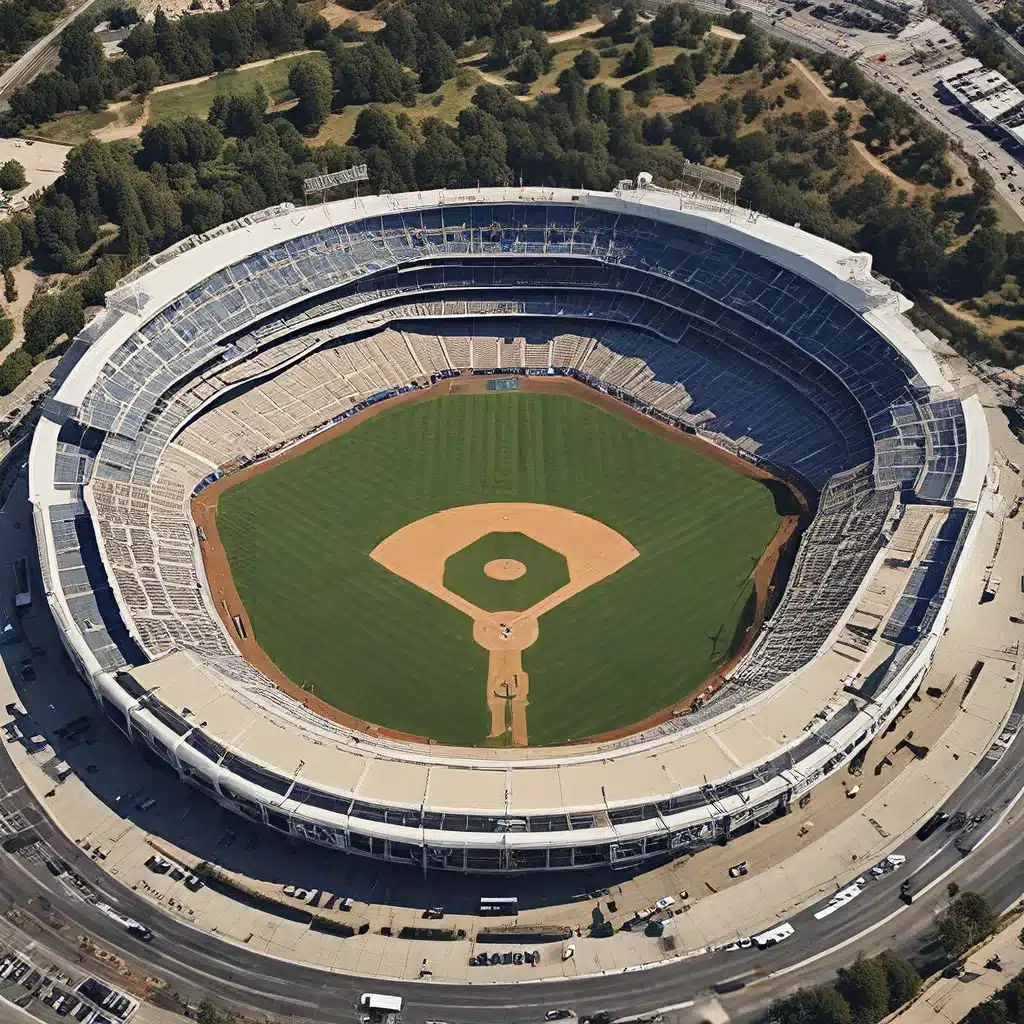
(42, 54)
(196, 963)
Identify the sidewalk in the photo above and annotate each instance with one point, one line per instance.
(951, 999)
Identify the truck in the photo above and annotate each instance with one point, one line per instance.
(991, 589)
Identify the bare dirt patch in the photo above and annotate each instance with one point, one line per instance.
(505, 569)
(335, 14)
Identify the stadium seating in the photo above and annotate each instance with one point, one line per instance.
(684, 325)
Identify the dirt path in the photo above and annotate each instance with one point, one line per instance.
(816, 83)
(120, 130)
(834, 104)
(335, 14)
(590, 25)
(229, 604)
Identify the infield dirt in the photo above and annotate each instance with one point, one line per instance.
(230, 605)
(419, 551)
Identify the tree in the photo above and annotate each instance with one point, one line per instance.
(974, 269)
(147, 75)
(625, 21)
(587, 63)
(122, 16)
(976, 911)
(12, 176)
(843, 119)
(13, 370)
(753, 148)
(10, 244)
(955, 935)
(436, 62)
(991, 1011)
(311, 82)
(529, 66)
(167, 44)
(638, 58)
(905, 244)
(239, 116)
(81, 52)
(369, 74)
(821, 1005)
(209, 1014)
(752, 51)
(10, 286)
(679, 77)
(49, 317)
(6, 328)
(701, 64)
(817, 120)
(56, 224)
(665, 26)
(186, 141)
(865, 988)
(902, 977)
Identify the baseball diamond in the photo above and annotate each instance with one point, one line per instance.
(505, 530)
(299, 539)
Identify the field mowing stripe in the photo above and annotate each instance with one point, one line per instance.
(299, 536)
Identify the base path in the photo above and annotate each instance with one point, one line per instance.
(418, 553)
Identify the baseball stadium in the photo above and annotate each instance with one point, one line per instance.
(505, 530)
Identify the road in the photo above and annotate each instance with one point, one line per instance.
(41, 55)
(196, 963)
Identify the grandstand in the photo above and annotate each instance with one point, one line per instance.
(776, 345)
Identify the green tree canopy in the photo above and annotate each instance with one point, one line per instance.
(12, 176)
(587, 63)
(311, 82)
(821, 1005)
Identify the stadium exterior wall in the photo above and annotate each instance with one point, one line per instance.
(839, 272)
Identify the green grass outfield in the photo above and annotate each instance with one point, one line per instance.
(298, 538)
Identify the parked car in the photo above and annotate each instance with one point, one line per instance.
(935, 822)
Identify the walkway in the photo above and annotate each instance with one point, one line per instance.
(951, 999)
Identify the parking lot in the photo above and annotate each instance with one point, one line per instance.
(54, 992)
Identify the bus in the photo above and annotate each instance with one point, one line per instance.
(773, 935)
(499, 905)
(376, 1007)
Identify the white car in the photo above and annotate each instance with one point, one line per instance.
(664, 902)
(569, 952)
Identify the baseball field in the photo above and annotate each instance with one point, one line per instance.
(646, 600)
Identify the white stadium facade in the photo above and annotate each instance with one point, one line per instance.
(761, 338)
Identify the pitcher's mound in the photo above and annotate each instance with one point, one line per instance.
(504, 569)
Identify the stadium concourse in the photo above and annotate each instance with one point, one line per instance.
(760, 338)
